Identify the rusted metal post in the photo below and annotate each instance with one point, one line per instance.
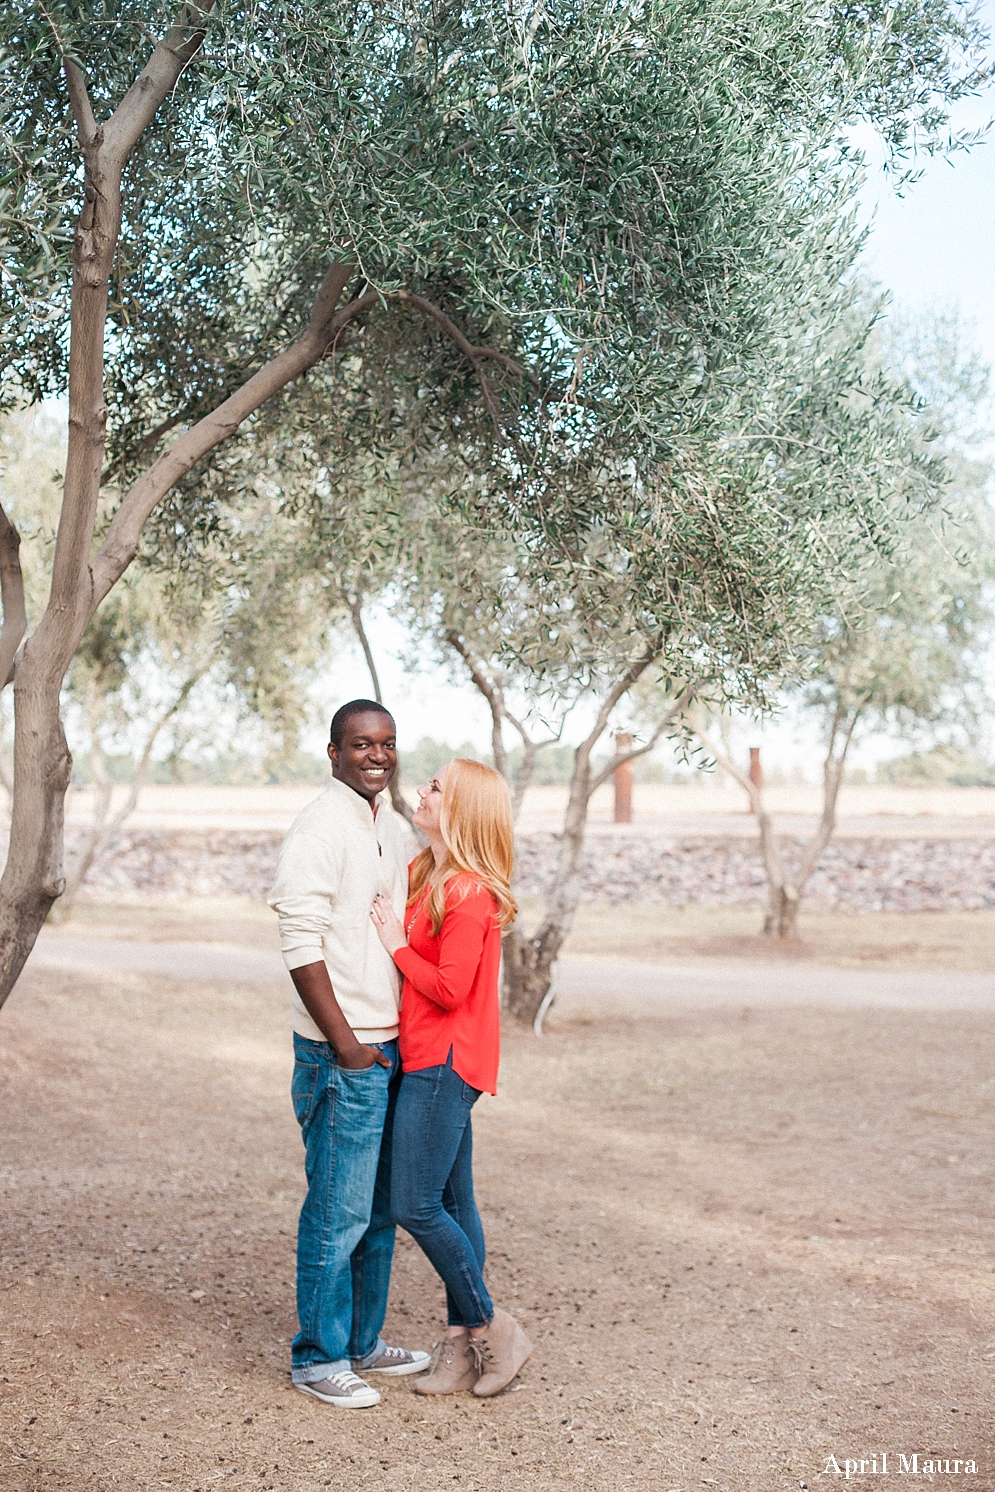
(756, 773)
(622, 777)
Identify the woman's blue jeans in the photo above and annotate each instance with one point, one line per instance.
(431, 1189)
(345, 1239)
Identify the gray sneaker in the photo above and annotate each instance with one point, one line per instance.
(343, 1390)
(397, 1361)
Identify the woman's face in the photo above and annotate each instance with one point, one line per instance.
(426, 815)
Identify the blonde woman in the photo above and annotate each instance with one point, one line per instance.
(449, 950)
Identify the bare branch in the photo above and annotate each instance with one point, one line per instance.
(79, 97)
(357, 621)
(621, 757)
(141, 771)
(727, 763)
(494, 695)
(621, 687)
(140, 104)
(15, 618)
(473, 354)
(102, 830)
(462, 342)
(398, 801)
(527, 738)
(832, 781)
(781, 891)
(87, 129)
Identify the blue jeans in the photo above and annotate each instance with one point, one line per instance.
(345, 1238)
(432, 1186)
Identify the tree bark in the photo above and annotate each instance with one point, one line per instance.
(33, 876)
(15, 619)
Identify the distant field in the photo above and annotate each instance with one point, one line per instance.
(706, 808)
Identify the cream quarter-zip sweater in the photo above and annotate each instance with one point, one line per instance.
(334, 860)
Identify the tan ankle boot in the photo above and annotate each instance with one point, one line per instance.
(453, 1368)
(500, 1352)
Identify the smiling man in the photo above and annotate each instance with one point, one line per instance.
(342, 850)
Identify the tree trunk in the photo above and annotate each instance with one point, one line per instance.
(33, 876)
(528, 974)
(782, 912)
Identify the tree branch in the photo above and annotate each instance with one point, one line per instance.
(139, 105)
(773, 864)
(347, 314)
(15, 618)
(141, 771)
(101, 832)
(494, 695)
(398, 801)
(631, 676)
(832, 780)
(357, 621)
(621, 757)
(87, 129)
(473, 354)
(125, 530)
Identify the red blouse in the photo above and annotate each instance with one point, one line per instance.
(450, 996)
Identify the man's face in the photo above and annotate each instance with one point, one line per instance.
(367, 758)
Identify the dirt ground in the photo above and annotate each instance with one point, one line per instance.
(640, 931)
(743, 1243)
(730, 935)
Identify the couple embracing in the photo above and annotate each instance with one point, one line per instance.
(385, 1077)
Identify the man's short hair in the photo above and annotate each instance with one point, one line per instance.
(345, 713)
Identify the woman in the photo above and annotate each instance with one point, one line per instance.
(449, 951)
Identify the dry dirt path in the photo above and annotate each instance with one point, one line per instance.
(584, 986)
(744, 1241)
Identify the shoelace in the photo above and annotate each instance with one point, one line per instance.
(443, 1351)
(397, 1353)
(346, 1380)
(481, 1353)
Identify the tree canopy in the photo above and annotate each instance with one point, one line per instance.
(592, 265)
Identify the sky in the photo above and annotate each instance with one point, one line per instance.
(931, 247)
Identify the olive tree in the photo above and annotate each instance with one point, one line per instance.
(592, 215)
(903, 647)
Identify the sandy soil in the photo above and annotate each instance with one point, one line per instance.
(743, 1243)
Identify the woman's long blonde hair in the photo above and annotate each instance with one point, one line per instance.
(475, 823)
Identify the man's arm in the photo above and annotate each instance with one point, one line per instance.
(315, 989)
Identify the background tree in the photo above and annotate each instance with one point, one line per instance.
(903, 647)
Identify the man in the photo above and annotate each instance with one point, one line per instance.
(342, 850)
